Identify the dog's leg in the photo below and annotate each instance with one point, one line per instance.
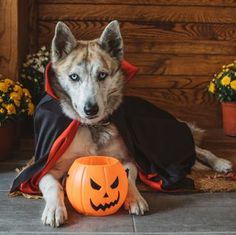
(54, 213)
(216, 163)
(200, 166)
(134, 202)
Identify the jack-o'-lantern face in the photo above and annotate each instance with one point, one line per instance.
(98, 187)
(108, 199)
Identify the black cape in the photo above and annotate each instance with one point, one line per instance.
(162, 147)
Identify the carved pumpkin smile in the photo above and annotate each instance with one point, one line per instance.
(106, 205)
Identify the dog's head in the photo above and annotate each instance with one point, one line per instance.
(89, 79)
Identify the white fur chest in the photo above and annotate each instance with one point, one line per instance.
(81, 145)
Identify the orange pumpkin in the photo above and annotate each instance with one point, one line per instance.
(97, 185)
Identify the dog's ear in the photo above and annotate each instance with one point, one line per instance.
(111, 40)
(63, 42)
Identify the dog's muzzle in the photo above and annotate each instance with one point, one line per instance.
(91, 110)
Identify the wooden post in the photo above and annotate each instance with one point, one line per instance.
(17, 34)
(9, 38)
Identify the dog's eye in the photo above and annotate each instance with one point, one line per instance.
(102, 76)
(74, 77)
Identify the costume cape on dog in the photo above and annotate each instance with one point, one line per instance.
(162, 147)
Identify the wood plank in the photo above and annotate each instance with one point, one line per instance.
(179, 97)
(165, 64)
(194, 105)
(190, 47)
(137, 13)
(162, 37)
(175, 31)
(154, 46)
(8, 38)
(216, 138)
(170, 82)
(146, 2)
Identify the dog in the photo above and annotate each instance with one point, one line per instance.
(87, 93)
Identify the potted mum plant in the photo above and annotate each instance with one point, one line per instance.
(223, 86)
(15, 103)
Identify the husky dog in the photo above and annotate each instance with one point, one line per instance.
(89, 84)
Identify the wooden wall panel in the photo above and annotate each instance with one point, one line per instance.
(178, 45)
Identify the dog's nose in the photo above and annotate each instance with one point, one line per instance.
(91, 109)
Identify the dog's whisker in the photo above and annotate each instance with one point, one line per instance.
(113, 91)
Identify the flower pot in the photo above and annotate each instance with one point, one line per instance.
(229, 118)
(6, 139)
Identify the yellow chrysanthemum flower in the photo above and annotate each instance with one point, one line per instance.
(30, 108)
(18, 89)
(212, 87)
(16, 98)
(1, 100)
(230, 65)
(3, 87)
(2, 110)
(10, 109)
(17, 103)
(233, 85)
(219, 75)
(9, 81)
(225, 80)
(26, 93)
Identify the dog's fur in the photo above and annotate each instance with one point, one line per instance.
(89, 77)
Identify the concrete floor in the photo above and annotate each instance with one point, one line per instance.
(193, 214)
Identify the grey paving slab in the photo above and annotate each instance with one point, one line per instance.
(8, 173)
(69, 233)
(122, 233)
(20, 215)
(206, 212)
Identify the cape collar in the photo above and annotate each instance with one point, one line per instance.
(128, 69)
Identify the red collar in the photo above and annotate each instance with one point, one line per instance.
(129, 70)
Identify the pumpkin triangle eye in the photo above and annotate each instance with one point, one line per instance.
(94, 185)
(115, 183)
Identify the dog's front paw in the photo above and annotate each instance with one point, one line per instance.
(222, 165)
(54, 215)
(136, 205)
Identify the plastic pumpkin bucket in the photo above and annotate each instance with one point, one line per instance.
(96, 185)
